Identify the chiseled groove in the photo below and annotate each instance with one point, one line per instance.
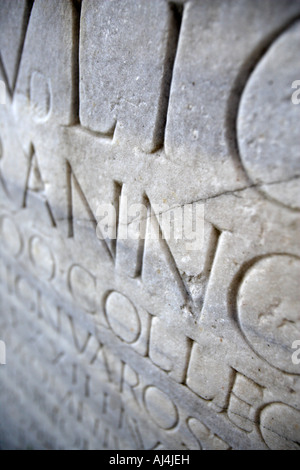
(71, 185)
(211, 257)
(5, 78)
(48, 207)
(239, 85)
(187, 362)
(118, 188)
(75, 61)
(176, 13)
(69, 200)
(175, 21)
(31, 155)
(233, 290)
(11, 89)
(240, 276)
(141, 247)
(157, 377)
(166, 249)
(24, 28)
(3, 185)
(76, 78)
(108, 136)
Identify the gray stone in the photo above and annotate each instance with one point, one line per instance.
(265, 135)
(149, 225)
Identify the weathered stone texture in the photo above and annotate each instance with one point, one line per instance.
(139, 342)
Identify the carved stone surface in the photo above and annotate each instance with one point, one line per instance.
(170, 114)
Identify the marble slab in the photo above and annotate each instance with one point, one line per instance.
(149, 224)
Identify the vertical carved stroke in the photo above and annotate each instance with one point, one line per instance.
(118, 187)
(29, 5)
(5, 78)
(183, 288)
(176, 15)
(72, 184)
(211, 261)
(75, 60)
(25, 22)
